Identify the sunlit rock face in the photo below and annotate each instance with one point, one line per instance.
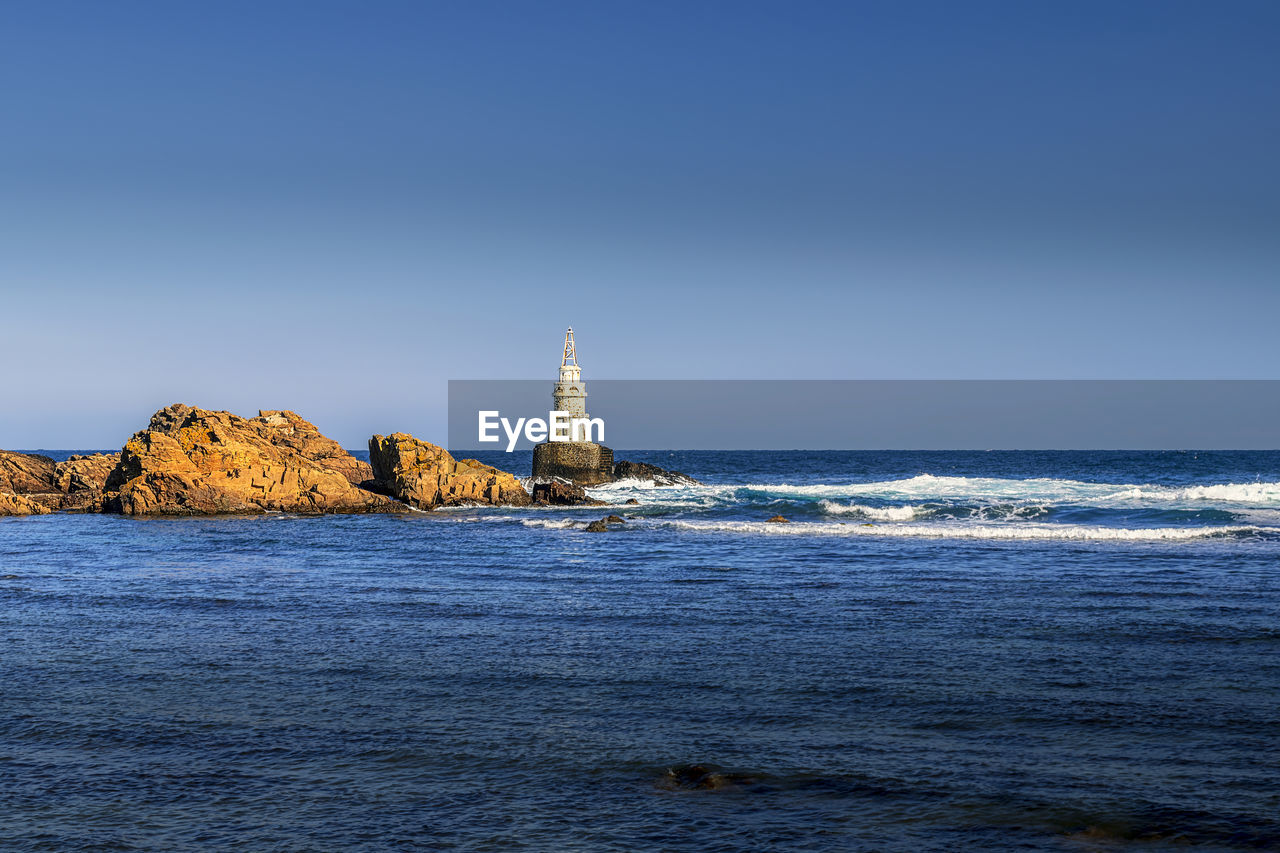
(191, 461)
(426, 476)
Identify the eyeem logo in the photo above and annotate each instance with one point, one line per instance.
(559, 426)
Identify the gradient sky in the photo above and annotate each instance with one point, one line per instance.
(336, 207)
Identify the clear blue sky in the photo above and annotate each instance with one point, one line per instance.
(336, 207)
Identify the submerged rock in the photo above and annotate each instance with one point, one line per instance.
(11, 504)
(704, 777)
(426, 476)
(601, 525)
(192, 461)
(557, 493)
(625, 470)
(777, 519)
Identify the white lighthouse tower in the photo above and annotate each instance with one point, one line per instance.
(583, 462)
(570, 394)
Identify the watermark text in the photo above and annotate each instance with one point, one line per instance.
(559, 426)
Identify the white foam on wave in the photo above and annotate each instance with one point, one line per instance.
(968, 531)
(933, 487)
(647, 493)
(1249, 493)
(880, 513)
(969, 490)
(552, 523)
(629, 483)
(923, 486)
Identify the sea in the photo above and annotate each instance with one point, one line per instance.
(1062, 651)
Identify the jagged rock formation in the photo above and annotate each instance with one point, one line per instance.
(426, 476)
(26, 473)
(644, 471)
(191, 461)
(82, 479)
(73, 484)
(557, 493)
(11, 504)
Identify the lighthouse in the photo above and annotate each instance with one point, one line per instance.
(570, 394)
(584, 463)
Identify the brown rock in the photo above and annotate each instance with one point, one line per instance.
(73, 484)
(427, 476)
(289, 430)
(777, 519)
(11, 504)
(557, 493)
(602, 525)
(82, 479)
(26, 473)
(190, 461)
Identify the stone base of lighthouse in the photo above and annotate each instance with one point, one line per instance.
(580, 462)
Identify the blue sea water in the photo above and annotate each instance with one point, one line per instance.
(941, 651)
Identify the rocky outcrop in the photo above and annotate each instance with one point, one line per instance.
(11, 504)
(81, 480)
(643, 471)
(72, 484)
(26, 473)
(191, 461)
(777, 519)
(557, 493)
(426, 476)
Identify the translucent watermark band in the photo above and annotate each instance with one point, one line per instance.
(776, 414)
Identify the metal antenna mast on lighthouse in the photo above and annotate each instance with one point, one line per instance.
(570, 354)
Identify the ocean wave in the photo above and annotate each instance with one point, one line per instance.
(929, 486)
(908, 512)
(552, 523)
(1249, 493)
(921, 487)
(974, 491)
(630, 483)
(971, 531)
